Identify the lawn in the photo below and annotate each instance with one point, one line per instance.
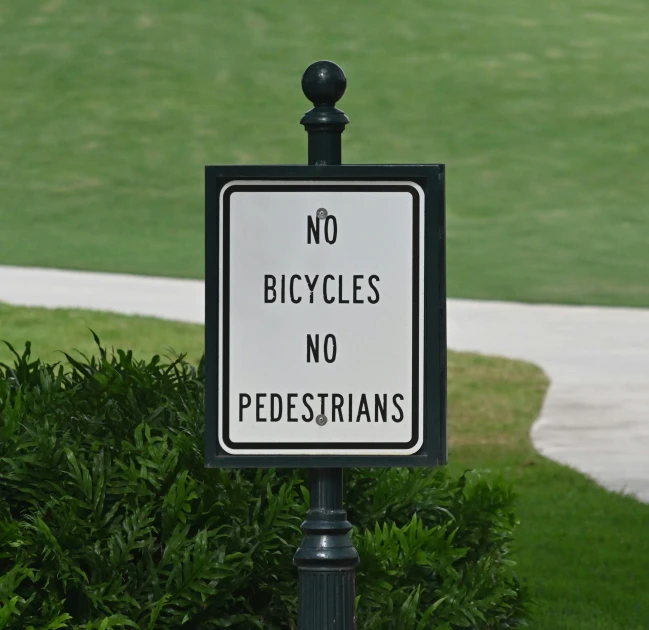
(582, 549)
(55, 331)
(539, 109)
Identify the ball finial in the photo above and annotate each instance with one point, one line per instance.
(324, 83)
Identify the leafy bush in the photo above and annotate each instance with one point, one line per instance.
(108, 517)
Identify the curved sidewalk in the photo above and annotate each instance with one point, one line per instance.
(596, 414)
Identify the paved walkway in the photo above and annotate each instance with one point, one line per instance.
(595, 417)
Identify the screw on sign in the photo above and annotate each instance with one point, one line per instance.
(325, 330)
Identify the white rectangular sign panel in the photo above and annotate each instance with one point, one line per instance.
(321, 291)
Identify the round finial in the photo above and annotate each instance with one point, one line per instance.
(324, 83)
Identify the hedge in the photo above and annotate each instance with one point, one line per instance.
(109, 519)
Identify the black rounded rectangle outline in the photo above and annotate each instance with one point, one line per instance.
(287, 447)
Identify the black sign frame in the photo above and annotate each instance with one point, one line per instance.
(430, 178)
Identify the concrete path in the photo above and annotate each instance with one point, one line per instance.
(596, 415)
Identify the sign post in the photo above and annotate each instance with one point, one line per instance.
(326, 559)
(325, 330)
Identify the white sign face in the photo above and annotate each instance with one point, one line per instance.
(321, 295)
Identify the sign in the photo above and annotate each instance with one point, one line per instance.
(325, 328)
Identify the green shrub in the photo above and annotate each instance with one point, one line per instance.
(108, 517)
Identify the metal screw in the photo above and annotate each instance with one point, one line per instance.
(321, 213)
(321, 420)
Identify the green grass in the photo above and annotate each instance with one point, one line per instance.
(582, 549)
(539, 109)
(55, 331)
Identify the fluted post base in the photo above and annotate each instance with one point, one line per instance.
(326, 559)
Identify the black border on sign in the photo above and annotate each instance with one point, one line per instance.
(225, 377)
(430, 178)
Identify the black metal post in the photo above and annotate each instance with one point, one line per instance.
(326, 559)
